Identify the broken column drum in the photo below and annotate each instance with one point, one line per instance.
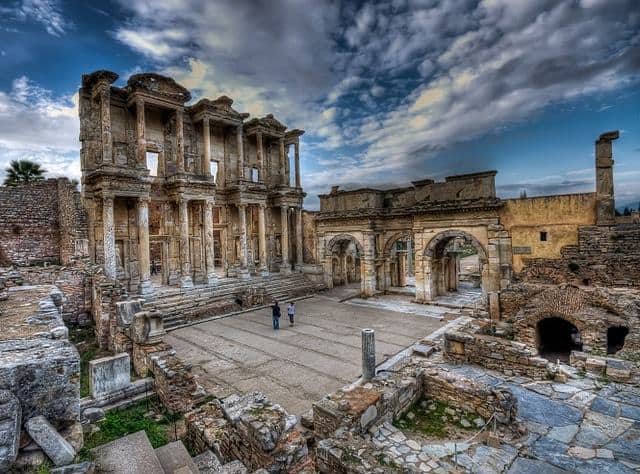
(368, 354)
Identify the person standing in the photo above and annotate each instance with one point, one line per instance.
(275, 315)
(291, 311)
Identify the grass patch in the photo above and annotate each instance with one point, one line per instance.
(119, 423)
(430, 418)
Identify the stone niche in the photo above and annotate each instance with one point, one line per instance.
(44, 375)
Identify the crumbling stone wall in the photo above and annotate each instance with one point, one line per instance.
(42, 222)
(604, 255)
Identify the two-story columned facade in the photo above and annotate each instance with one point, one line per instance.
(180, 194)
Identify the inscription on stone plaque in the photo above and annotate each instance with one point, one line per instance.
(521, 250)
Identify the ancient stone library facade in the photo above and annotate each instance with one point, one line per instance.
(185, 192)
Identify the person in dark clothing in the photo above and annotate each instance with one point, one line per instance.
(275, 314)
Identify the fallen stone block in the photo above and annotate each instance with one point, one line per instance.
(52, 443)
(10, 425)
(93, 415)
(234, 467)
(132, 453)
(174, 457)
(207, 462)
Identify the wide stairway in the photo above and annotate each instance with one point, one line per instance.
(181, 306)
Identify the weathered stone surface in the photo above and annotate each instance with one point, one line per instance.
(174, 457)
(533, 466)
(86, 467)
(44, 375)
(207, 462)
(93, 415)
(109, 374)
(534, 407)
(10, 425)
(132, 453)
(234, 467)
(51, 442)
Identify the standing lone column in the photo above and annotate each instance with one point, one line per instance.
(206, 139)
(143, 246)
(368, 354)
(262, 238)
(239, 137)
(109, 238)
(141, 143)
(179, 141)
(605, 204)
(299, 239)
(185, 264)
(209, 248)
(285, 266)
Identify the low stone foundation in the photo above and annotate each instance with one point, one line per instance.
(251, 429)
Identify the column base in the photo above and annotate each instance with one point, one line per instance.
(243, 274)
(212, 279)
(146, 288)
(297, 268)
(186, 282)
(264, 271)
(285, 268)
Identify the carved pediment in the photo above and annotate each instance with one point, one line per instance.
(158, 85)
(220, 106)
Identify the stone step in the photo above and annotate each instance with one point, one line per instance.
(207, 463)
(175, 459)
(131, 453)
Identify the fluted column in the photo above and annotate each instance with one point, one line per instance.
(296, 147)
(185, 263)
(143, 246)
(285, 266)
(206, 143)
(109, 237)
(262, 238)
(260, 153)
(105, 122)
(180, 140)
(239, 137)
(283, 170)
(141, 142)
(299, 239)
(209, 248)
(242, 217)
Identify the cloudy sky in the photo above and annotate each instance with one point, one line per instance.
(388, 91)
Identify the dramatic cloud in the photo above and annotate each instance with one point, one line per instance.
(46, 12)
(36, 126)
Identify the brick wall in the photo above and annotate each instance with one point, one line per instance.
(41, 222)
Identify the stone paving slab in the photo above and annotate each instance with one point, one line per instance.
(296, 365)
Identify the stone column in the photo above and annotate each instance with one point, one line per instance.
(283, 172)
(368, 354)
(185, 264)
(368, 276)
(605, 204)
(239, 137)
(105, 122)
(296, 147)
(285, 266)
(143, 246)
(179, 141)
(109, 236)
(260, 153)
(209, 248)
(262, 238)
(299, 239)
(402, 268)
(206, 139)
(141, 142)
(242, 217)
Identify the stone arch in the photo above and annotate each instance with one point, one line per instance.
(394, 238)
(440, 271)
(339, 269)
(331, 245)
(396, 269)
(556, 336)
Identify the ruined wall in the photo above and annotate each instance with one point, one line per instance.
(42, 222)
(558, 216)
(309, 237)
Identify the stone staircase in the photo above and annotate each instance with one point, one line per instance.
(181, 306)
(133, 453)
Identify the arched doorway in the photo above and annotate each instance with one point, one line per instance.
(556, 338)
(399, 267)
(615, 338)
(345, 254)
(455, 269)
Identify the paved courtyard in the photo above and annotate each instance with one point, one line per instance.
(296, 365)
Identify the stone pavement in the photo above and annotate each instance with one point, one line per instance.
(296, 365)
(583, 426)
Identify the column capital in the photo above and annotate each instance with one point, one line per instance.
(139, 102)
(144, 199)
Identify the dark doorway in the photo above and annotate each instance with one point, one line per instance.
(615, 338)
(557, 338)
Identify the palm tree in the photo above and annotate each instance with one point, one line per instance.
(23, 171)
